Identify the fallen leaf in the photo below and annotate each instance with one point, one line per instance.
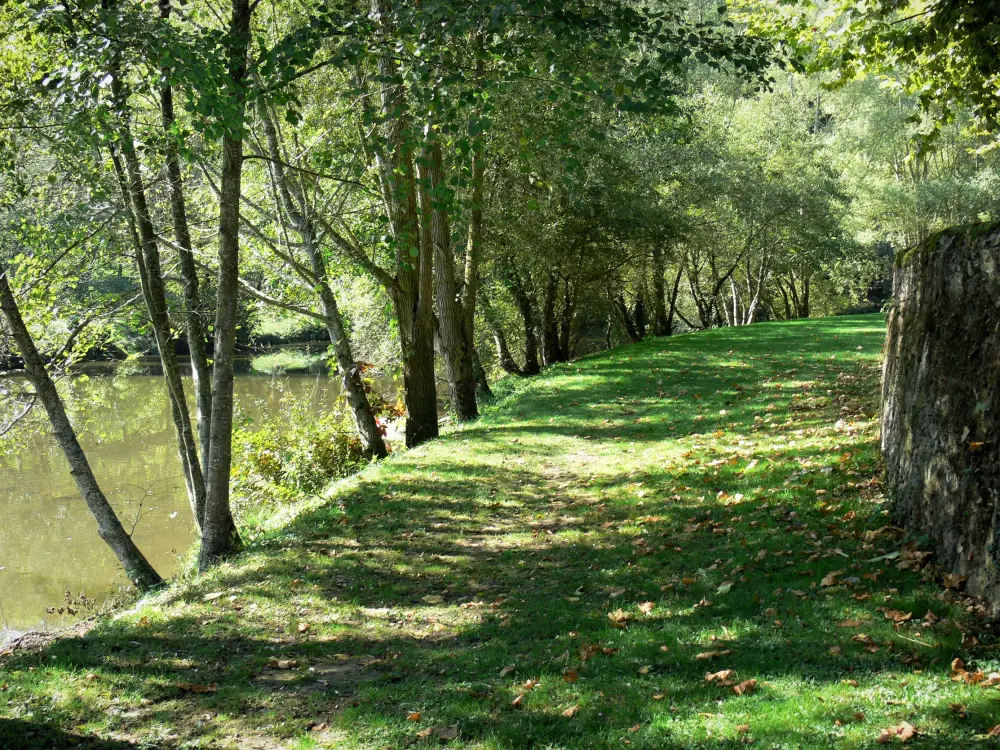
(518, 701)
(904, 731)
(722, 676)
(745, 687)
(275, 663)
(635, 728)
(570, 675)
(303, 627)
(831, 579)
(897, 615)
(213, 596)
(507, 670)
(994, 731)
(571, 711)
(644, 669)
(743, 728)
(849, 624)
(647, 607)
(425, 733)
(706, 655)
(619, 618)
(953, 581)
(658, 696)
(835, 650)
(961, 709)
(530, 685)
(413, 716)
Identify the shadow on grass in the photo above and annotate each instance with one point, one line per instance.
(615, 571)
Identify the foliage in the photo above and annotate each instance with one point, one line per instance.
(289, 455)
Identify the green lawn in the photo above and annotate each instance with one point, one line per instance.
(564, 574)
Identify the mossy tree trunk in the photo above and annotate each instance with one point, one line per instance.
(941, 401)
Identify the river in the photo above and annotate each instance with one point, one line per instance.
(49, 545)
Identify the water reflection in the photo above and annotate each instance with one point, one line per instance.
(48, 539)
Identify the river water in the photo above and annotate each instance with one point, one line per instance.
(48, 540)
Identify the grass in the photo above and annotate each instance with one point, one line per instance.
(554, 575)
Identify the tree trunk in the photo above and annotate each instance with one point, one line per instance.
(566, 323)
(219, 536)
(669, 328)
(137, 568)
(412, 294)
(550, 333)
(455, 349)
(483, 391)
(201, 373)
(661, 326)
(940, 404)
(525, 306)
(154, 295)
(293, 203)
(504, 357)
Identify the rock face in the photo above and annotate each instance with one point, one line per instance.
(941, 401)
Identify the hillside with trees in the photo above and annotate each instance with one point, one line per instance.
(288, 284)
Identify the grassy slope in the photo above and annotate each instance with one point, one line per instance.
(445, 579)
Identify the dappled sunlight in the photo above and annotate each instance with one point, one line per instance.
(524, 582)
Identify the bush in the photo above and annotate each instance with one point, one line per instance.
(291, 455)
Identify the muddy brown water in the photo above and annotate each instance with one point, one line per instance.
(48, 541)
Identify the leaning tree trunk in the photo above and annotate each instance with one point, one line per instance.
(292, 200)
(941, 405)
(137, 568)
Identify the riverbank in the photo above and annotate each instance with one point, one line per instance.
(581, 568)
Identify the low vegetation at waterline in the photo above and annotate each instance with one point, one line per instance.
(681, 543)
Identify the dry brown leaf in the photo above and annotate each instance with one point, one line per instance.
(849, 624)
(708, 655)
(953, 581)
(571, 711)
(570, 675)
(275, 663)
(619, 618)
(425, 733)
(647, 607)
(831, 579)
(745, 687)
(413, 716)
(658, 696)
(743, 728)
(994, 731)
(530, 685)
(904, 731)
(303, 627)
(723, 677)
(897, 615)
(961, 709)
(835, 650)
(518, 701)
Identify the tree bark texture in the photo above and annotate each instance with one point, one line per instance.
(941, 405)
(219, 536)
